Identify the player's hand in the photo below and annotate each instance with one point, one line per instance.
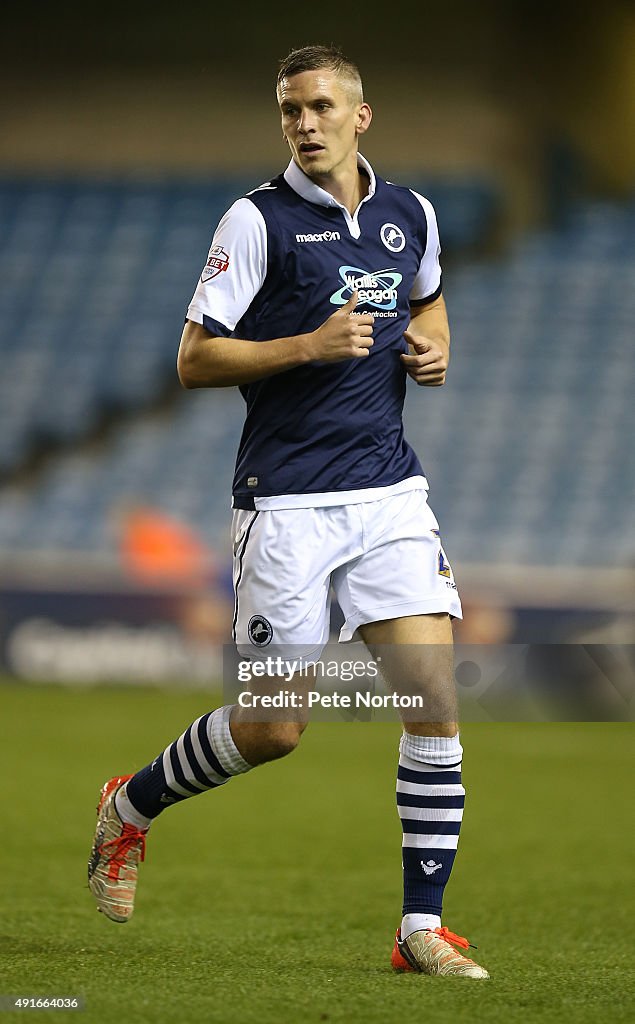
(426, 362)
(345, 335)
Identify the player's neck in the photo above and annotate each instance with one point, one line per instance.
(349, 185)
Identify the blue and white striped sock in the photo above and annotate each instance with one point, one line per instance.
(430, 799)
(204, 757)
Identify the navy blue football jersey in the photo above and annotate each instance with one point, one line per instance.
(282, 260)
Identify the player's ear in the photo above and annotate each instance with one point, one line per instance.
(364, 117)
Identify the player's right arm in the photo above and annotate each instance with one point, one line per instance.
(234, 274)
(207, 361)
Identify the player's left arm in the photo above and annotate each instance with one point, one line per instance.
(428, 338)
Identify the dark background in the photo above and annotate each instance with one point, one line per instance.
(543, 95)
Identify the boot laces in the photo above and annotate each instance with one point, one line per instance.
(457, 940)
(130, 839)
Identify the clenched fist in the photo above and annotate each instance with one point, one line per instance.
(345, 335)
(426, 362)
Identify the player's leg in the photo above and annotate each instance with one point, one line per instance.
(212, 750)
(400, 595)
(416, 657)
(229, 741)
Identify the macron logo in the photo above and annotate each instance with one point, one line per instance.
(325, 236)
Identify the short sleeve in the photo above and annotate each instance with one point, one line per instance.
(235, 270)
(427, 283)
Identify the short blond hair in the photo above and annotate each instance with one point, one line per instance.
(314, 58)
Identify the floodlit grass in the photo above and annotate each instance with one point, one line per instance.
(276, 898)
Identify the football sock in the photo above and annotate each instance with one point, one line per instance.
(430, 801)
(204, 757)
(129, 814)
(417, 922)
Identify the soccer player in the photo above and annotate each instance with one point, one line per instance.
(320, 295)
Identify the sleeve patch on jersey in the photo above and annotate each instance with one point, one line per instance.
(217, 263)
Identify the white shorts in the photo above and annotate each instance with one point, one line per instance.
(383, 559)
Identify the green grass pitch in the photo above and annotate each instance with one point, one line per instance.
(276, 898)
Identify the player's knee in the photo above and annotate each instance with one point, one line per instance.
(281, 739)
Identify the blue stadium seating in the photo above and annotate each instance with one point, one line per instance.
(96, 279)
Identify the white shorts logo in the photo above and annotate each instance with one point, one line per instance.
(393, 237)
(260, 630)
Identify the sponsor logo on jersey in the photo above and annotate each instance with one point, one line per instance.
(393, 237)
(374, 287)
(324, 236)
(217, 263)
(260, 630)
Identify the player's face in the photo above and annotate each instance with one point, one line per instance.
(322, 119)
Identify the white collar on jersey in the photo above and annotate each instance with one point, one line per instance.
(302, 184)
(306, 188)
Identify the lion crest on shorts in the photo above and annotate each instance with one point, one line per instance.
(260, 630)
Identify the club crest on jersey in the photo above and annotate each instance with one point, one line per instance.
(260, 630)
(392, 237)
(217, 262)
(375, 287)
